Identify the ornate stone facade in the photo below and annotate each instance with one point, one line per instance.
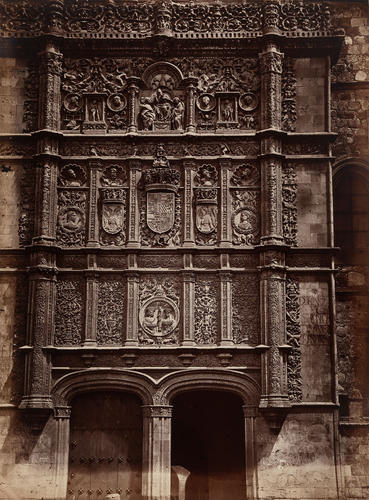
(172, 199)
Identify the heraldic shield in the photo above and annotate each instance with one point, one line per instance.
(112, 216)
(206, 217)
(160, 211)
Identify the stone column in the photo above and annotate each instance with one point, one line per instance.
(132, 310)
(226, 308)
(190, 84)
(250, 414)
(156, 463)
(93, 222)
(92, 290)
(50, 69)
(188, 209)
(62, 417)
(133, 84)
(188, 308)
(46, 200)
(134, 216)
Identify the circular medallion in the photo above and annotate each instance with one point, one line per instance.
(159, 316)
(72, 102)
(245, 221)
(206, 102)
(116, 102)
(248, 101)
(71, 219)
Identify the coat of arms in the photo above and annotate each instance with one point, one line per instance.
(112, 216)
(160, 211)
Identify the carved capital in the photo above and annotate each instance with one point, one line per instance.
(62, 412)
(271, 62)
(51, 63)
(159, 411)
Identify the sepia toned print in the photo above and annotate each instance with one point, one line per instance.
(184, 248)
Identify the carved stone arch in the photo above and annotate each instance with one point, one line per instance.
(162, 68)
(68, 386)
(217, 380)
(357, 166)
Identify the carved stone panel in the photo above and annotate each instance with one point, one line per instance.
(111, 311)
(69, 311)
(245, 217)
(293, 331)
(245, 309)
(71, 220)
(206, 309)
(159, 313)
(289, 204)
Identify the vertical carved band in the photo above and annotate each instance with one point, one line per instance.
(271, 63)
(188, 306)
(191, 86)
(50, 69)
(91, 308)
(132, 95)
(93, 233)
(189, 238)
(45, 227)
(132, 310)
(272, 231)
(133, 204)
(226, 308)
(225, 226)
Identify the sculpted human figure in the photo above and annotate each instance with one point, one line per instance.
(178, 113)
(147, 113)
(94, 111)
(228, 111)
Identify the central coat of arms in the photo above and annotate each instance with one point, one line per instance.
(160, 211)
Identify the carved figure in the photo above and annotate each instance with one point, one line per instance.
(71, 220)
(228, 111)
(206, 218)
(147, 113)
(178, 113)
(158, 317)
(94, 111)
(72, 175)
(113, 176)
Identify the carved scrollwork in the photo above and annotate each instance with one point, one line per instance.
(206, 311)
(245, 309)
(289, 210)
(21, 16)
(293, 330)
(31, 91)
(69, 309)
(27, 211)
(289, 81)
(304, 16)
(158, 311)
(110, 311)
(71, 230)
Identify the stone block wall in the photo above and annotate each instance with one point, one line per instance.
(13, 72)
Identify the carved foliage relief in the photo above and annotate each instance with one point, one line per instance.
(289, 210)
(289, 82)
(159, 310)
(245, 191)
(293, 330)
(110, 311)
(245, 309)
(72, 200)
(27, 211)
(206, 310)
(69, 312)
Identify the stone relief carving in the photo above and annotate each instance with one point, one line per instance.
(71, 230)
(31, 92)
(110, 311)
(160, 205)
(245, 217)
(68, 312)
(289, 210)
(113, 216)
(72, 175)
(206, 205)
(293, 331)
(21, 16)
(289, 82)
(158, 311)
(27, 209)
(245, 175)
(304, 17)
(206, 311)
(245, 309)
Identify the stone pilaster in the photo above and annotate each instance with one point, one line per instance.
(50, 69)
(62, 418)
(134, 216)
(226, 308)
(189, 240)
(133, 89)
(156, 452)
(250, 413)
(93, 222)
(132, 310)
(46, 200)
(188, 308)
(92, 290)
(190, 84)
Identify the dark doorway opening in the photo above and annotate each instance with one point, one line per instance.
(208, 440)
(105, 453)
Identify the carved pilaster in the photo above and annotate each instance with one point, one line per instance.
(55, 16)
(226, 308)
(188, 308)
(190, 83)
(271, 175)
(156, 452)
(188, 212)
(91, 308)
(93, 224)
(133, 89)
(225, 204)
(50, 69)
(46, 194)
(39, 333)
(132, 310)
(133, 230)
(271, 72)
(62, 416)
(274, 384)
(250, 413)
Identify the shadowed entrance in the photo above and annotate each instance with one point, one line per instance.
(208, 440)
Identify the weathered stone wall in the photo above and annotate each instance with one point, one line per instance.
(13, 72)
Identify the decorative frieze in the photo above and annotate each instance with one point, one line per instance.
(293, 332)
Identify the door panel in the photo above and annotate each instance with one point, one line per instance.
(105, 447)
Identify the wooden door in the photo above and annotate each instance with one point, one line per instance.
(105, 446)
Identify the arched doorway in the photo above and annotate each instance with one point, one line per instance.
(208, 439)
(105, 455)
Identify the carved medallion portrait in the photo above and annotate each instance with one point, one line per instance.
(72, 102)
(245, 221)
(116, 102)
(71, 219)
(206, 102)
(248, 101)
(159, 316)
